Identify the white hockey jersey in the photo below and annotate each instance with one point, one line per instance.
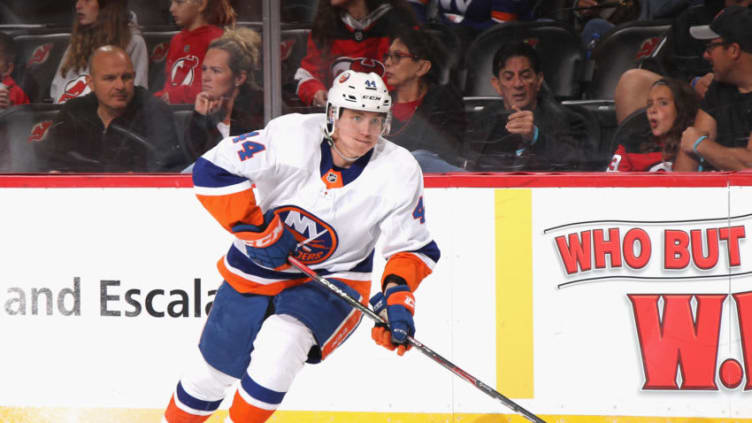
(336, 214)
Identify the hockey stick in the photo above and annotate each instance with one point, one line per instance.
(414, 342)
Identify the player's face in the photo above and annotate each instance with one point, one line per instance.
(87, 11)
(517, 83)
(185, 12)
(357, 131)
(216, 76)
(111, 80)
(661, 110)
(402, 69)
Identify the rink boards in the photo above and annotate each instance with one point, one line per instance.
(583, 298)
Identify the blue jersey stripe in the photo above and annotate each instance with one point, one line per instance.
(259, 392)
(238, 260)
(195, 403)
(431, 250)
(207, 174)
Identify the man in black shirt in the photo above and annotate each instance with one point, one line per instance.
(529, 129)
(116, 128)
(721, 137)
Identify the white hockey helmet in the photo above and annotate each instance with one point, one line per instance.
(357, 91)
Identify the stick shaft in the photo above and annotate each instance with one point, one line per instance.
(417, 344)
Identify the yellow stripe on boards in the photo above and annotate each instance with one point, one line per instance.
(121, 415)
(514, 293)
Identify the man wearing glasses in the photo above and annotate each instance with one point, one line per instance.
(721, 137)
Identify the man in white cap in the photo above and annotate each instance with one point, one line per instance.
(721, 137)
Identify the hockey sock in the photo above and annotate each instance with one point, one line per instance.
(253, 403)
(185, 408)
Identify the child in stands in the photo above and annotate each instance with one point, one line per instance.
(201, 21)
(652, 147)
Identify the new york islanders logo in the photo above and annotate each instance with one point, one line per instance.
(317, 240)
(184, 71)
(39, 131)
(159, 52)
(360, 64)
(40, 54)
(75, 88)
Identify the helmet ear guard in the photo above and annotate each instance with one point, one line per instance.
(357, 91)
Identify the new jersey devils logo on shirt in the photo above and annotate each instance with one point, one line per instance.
(317, 239)
(74, 88)
(183, 71)
(360, 64)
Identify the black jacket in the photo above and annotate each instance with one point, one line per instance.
(560, 143)
(142, 139)
(437, 125)
(247, 115)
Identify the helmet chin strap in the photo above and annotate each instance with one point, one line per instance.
(330, 140)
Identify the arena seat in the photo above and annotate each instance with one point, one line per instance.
(47, 12)
(151, 13)
(39, 52)
(622, 48)
(157, 46)
(605, 113)
(21, 127)
(631, 132)
(182, 114)
(559, 48)
(451, 43)
(294, 42)
(298, 11)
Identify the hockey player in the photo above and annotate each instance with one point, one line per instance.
(324, 188)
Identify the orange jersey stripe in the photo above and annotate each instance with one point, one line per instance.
(174, 414)
(242, 412)
(231, 209)
(409, 267)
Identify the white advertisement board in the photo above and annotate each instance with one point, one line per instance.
(580, 304)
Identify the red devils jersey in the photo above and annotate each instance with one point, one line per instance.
(183, 66)
(625, 161)
(358, 45)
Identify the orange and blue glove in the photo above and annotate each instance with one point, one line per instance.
(268, 245)
(396, 306)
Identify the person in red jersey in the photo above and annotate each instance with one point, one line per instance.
(654, 142)
(201, 21)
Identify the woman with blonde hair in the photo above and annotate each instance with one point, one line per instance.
(230, 101)
(98, 23)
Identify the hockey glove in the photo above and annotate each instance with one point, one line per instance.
(270, 244)
(396, 305)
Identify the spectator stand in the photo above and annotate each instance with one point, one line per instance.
(182, 115)
(49, 13)
(39, 51)
(559, 49)
(158, 46)
(624, 47)
(21, 129)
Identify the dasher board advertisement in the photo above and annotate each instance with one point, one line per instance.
(581, 301)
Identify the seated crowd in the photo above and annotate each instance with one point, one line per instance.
(687, 110)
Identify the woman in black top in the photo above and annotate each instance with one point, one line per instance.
(230, 102)
(426, 115)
